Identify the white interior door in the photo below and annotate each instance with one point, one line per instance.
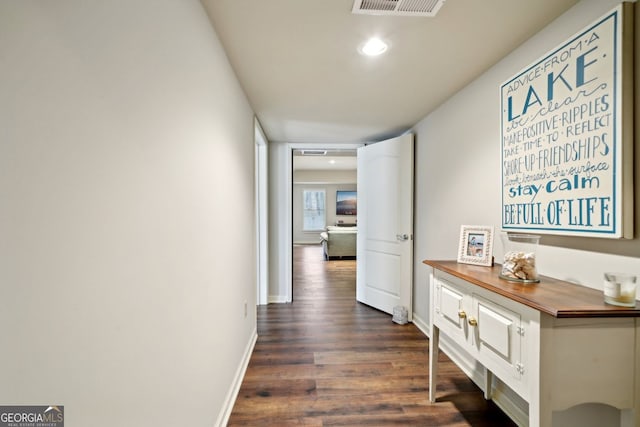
(385, 224)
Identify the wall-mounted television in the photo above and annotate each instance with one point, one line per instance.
(346, 202)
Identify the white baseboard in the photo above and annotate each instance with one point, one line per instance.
(512, 405)
(505, 398)
(422, 325)
(232, 395)
(277, 299)
(468, 365)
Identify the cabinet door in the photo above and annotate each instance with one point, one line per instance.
(497, 338)
(450, 315)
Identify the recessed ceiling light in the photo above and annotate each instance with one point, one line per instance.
(373, 47)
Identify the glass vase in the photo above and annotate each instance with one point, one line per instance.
(519, 263)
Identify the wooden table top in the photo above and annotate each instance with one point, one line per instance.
(555, 297)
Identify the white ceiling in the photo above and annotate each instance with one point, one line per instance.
(298, 62)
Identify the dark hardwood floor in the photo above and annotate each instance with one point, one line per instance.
(326, 360)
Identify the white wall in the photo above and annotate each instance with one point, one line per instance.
(280, 220)
(340, 176)
(329, 181)
(310, 237)
(126, 212)
(458, 173)
(469, 157)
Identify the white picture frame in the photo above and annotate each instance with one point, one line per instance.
(567, 167)
(476, 245)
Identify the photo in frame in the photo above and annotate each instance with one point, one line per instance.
(476, 245)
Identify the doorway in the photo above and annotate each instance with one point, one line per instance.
(320, 176)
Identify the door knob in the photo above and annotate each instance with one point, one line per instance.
(462, 314)
(402, 237)
(473, 321)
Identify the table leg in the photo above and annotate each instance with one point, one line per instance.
(488, 380)
(433, 362)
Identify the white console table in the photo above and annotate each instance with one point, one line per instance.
(554, 343)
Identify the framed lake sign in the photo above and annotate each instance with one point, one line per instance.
(567, 136)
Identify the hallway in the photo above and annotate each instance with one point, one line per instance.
(327, 360)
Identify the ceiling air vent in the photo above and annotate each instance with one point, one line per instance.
(314, 152)
(397, 7)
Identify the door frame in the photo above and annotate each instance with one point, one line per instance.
(261, 170)
(287, 256)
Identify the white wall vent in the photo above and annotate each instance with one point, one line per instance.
(397, 7)
(313, 152)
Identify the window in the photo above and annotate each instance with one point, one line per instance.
(313, 210)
